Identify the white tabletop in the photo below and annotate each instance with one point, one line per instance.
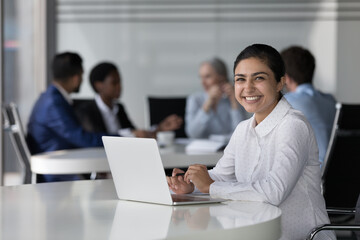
(90, 210)
(88, 160)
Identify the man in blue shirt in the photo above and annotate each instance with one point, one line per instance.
(318, 107)
(53, 124)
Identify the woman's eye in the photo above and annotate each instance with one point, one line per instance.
(239, 79)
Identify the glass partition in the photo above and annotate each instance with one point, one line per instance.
(20, 49)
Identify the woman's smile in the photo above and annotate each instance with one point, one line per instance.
(252, 99)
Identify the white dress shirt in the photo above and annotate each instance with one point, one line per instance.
(110, 118)
(275, 162)
(109, 115)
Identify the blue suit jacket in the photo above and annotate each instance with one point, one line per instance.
(54, 126)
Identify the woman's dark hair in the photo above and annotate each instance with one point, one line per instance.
(100, 72)
(66, 65)
(269, 55)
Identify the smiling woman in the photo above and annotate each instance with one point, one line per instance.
(259, 78)
(272, 157)
(256, 88)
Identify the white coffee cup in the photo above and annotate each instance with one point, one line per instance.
(165, 138)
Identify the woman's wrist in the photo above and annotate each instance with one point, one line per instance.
(207, 106)
(208, 188)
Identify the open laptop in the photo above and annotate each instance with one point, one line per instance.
(139, 175)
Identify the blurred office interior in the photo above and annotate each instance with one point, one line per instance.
(159, 44)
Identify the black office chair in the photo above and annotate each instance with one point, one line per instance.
(341, 227)
(13, 126)
(77, 102)
(341, 169)
(160, 108)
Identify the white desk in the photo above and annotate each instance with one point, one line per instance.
(90, 210)
(88, 160)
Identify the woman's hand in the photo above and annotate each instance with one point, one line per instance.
(199, 175)
(177, 183)
(170, 123)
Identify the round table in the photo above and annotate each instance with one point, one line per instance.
(91, 210)
(86, 160)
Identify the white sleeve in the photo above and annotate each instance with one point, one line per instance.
(224, 171)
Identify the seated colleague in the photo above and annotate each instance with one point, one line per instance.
(105, 114)
(53, 124)
(215, 110)
(272, 157)
(318, 108)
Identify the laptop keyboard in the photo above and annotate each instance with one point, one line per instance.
(188, 198)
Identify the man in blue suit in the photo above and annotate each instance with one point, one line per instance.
(53, 124)
(318, 107)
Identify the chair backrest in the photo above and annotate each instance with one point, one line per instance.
(160, 108)
(341, 169)
(80, 101)
(13, 125)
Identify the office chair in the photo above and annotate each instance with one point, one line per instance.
(341, 227)
(77, 102)
(13, 125)
(341, 169)
(160, 108)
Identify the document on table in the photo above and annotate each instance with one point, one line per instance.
(224, 138)
(200, 146)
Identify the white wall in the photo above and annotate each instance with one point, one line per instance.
(348, 59)
(159, 45)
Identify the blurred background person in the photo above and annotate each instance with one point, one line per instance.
(318, 108)
(106, 114)
(215, 110)
(53, 124)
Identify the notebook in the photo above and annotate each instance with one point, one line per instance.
(139, 175)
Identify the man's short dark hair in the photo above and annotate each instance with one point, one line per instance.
(299, 64)
(66, 65)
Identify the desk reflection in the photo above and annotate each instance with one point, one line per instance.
(135, 220)
(91, 210)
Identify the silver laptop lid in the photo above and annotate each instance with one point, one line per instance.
(137, 169)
